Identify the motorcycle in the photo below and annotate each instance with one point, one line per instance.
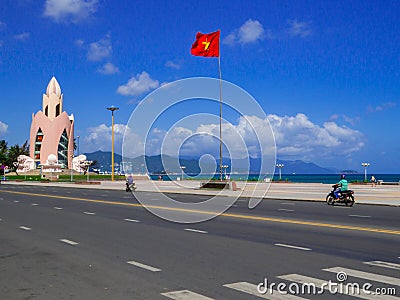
(130, 187)
(346, 197)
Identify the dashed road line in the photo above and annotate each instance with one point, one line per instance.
(195, 230)
(185, 295)
(89, 213)
(35, 204)
(287, 203)
(131, 220)
(293, 247)
(58, 208)
(359, 216)
(69, 242)
(25, 228)
(143, 266)
(16, 201)
(383, 264)
(284, 209)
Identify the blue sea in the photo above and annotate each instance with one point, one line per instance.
(311, 178)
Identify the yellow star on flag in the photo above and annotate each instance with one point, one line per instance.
(206, 43)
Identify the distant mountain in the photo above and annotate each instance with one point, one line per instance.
(154, 164)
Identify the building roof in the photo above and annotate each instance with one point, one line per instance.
(53, 87)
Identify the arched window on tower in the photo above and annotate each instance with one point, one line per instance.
(38, 144)
(63, 149)
(57, 110)
(46, 111)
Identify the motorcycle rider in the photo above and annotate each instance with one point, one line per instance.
(342, 186)
(129, 182)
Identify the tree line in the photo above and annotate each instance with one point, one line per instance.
(8, 155)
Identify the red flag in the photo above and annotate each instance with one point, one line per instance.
(206, 45)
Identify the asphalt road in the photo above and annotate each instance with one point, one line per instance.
(66, 243)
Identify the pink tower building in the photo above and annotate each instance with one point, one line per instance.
(52, 130)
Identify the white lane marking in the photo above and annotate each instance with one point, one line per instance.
(104, 195)
(35, 204)
(185, 295)
(324, 283)
(1, 198)
(130, 220)
(383, 264)
(234, 205)
(293, 247)
(143, 266)
(195, 230)
(284, 209)
(359, 216)
(58, 208)
(0, 219)
(287, 203)
(365, 275)
(251, 289)
(128, 197)
(89, 213)
(69, 242)
(154, 199)
(25, 228)
(16, 201)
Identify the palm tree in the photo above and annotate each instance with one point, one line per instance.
(3, 152)
(14, 152)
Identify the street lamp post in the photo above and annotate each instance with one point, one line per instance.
(280, 166)
(182, 168)
(225, 167)
(112, 109)
(365, 165)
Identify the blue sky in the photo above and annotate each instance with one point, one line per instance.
(326, 73)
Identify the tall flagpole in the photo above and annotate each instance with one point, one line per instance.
(220, 109)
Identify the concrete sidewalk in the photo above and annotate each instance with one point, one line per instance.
(364, 194)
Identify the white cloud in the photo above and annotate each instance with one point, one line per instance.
(69, 10)
(381, 107)
(299, 136)
(250, 32)
(171, 64)
(138, 85)
(99, 137)
(2, 25)
(80, 42)
(3, 128)
(296, 138)
(22, 36)
(300, 29)
(108, 69)
(100, 50)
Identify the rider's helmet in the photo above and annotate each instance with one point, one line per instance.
(343, 176)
